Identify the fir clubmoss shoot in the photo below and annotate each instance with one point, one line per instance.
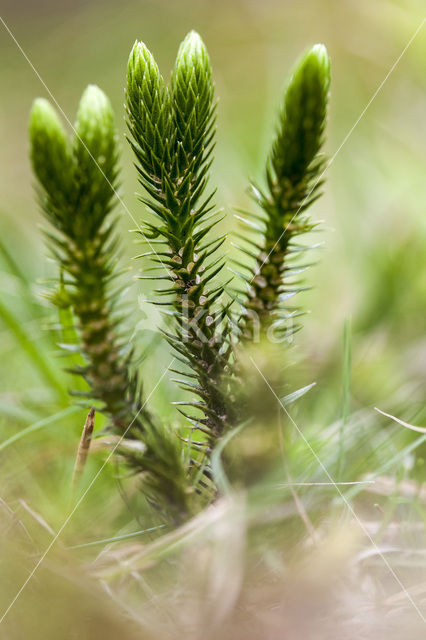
(172, 135)
(77, 184)
(293, 176)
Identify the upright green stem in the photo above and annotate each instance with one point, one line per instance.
(172, 136)
(77, 188)
(293, 177)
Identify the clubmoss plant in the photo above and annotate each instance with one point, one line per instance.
(172, 135)
(77, 184)
(293, 182)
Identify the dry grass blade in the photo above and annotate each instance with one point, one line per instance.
(401, 422)
(83, 449)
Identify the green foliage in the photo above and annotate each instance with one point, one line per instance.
(50, 156)
(78, 210)
(301, 127)
(172, 136)
(172, 131)
(293, 182)
(278, 507)
(78, 183)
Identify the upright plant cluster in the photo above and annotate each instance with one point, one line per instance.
(293, 182)
(172, 131)
(77, 182)
(172, 136)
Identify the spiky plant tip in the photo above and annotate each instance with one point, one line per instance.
(43, 118)
(140, 54)
(96, 159)
(192, 50)
(95, 118)
(144, 80)
(192, 80)
(320, 52)
(49, 149)
(293, 181)
(78, 178)
(149, 122)
(302, 121)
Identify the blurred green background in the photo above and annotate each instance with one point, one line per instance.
(370, 276)
(372, 267)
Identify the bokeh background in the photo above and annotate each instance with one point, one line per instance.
(372, 266)
(364, 341)
(371, 274)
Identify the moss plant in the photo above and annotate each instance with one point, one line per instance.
(172, 132)
(77, 183)
(293, 182)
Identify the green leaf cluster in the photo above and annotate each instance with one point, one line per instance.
(77, 186)
(172, 135)
(294, 173)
